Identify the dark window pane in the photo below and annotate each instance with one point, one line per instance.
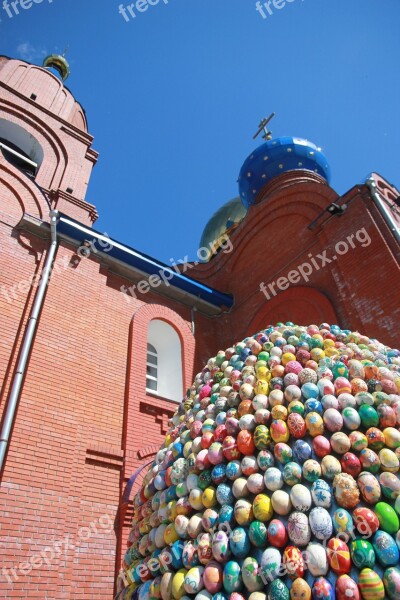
(152, 371)
(151, 384)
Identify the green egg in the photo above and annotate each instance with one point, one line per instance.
(368, 415)
(388, 520)
(278, 591)
(362, 554)
(258, 534)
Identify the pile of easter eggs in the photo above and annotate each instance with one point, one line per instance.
(278, 478)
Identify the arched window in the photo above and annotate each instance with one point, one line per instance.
(152, 368)
(164, 361)
(20, 148)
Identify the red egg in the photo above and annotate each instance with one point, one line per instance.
(338, 556)
(245, 443)
(277, 534)
(207, 439)
(297, 425)
(321, 446)
(351, 464)
(342, 386)
(293, 561)
(346, 588)
(230, 449)
(387, 416)
(220, 433)
(366, 521)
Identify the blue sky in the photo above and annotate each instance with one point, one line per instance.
(174, 96)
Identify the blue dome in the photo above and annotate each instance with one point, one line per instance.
(278, 156)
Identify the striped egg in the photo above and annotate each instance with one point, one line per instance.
(371, 585)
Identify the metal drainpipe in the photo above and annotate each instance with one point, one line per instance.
(27, 343)
(370, 182)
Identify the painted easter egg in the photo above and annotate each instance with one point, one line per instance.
(351, 418)
(369, 487)
(213, 577)
(277, 534)
(311, 470)
(321, 493)
(346, 588)
(239, 542)
(270, 563)
(320, 523)
(193, 581)
(330, 467)
(262, 508)
(232, 579)
(391, 581)
(371, 585)
(390, 485)
(243, 511)
(321, 446)
(299, 530)
(283, 453)
(338, 556)
(322, 590)
(251, 576)
(301, 451)
(258, 534)
(300, 590)
(278, 591)
(385, 548)
(340, 442)
(350, 464)
(358, 441)
(293, 561)
(292, 473)
(281, 503)
(314, 424)
(345, 490)
(362, 554)
(342, 523)
(366, 521)
(273, 479)
(389, 461)
(220, 546)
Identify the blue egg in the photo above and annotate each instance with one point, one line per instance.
(233, 470)
(386, 549)
(226, 514)
(302, 451)
(312, 405)
(177, 449)
(224, 494)
(176, 554)
(220, 418)
(239, 542)
(219, 596)
(218, 474)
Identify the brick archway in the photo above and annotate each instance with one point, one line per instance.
(301, 305)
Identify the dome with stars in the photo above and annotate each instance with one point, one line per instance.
(277, 156)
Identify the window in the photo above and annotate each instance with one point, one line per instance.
(151, 375)
(164, 361)
(20, 148)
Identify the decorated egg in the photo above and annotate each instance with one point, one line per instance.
(300, 590)
(283, 453)
(278, 591)
(232, 579)
(311, 470)
(342, 523)
(279, 431)
(213, 577)
(330, 467)
(239, 542)
(314, 424)
(333, 420)
(265, 459)
(358, 441)
(389, 461)
(375, 437)
(243, 512)
(299, 528)
(322, 590)
(391, 581)
(321, 493)
(250, 575)
(350, 464)
(385, 548)
(233, 470)
(340, 442)
(277, 534)
(345, 490)
(292, 473)
(273, 479)
(297, 425)
(320, 523)
(338, 556)
(301, 451)
(362, 554)
(351, 418)
(346, 588)
(193, 581)
(178, 581)
(366, 521)
(368, 415)
(258, 534)
(270, 563)
(369, 487)
(392, 436)
(220, 546)
(293, 561)
(262, 437)
(371, 585)
(390, 485)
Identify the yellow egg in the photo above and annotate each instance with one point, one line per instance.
(262, 508)
(170, 535)
(178, 581)
(287, 357)
(209, 497)
(171, 510)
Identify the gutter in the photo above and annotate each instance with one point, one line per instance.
(383, 209)
(133, 265)
(19, 375)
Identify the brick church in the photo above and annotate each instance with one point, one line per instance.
(99, 342)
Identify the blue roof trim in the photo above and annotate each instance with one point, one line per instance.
(75, 230)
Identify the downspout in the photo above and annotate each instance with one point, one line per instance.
(370, 182)
(27, 343)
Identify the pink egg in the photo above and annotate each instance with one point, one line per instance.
(321, 446)
(213, 577)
